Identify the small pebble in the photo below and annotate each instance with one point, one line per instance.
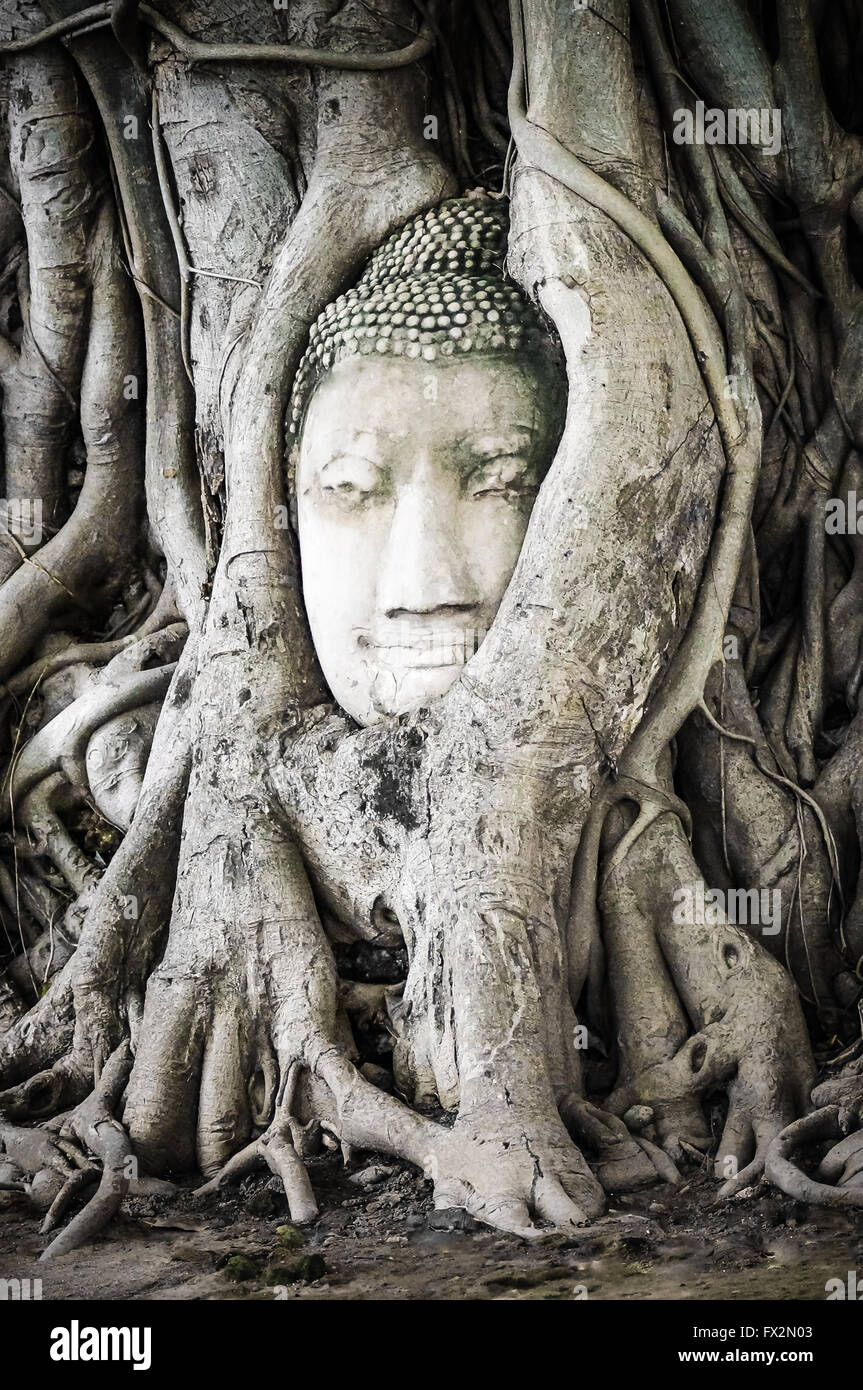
(637, 1118)
(367, 1177)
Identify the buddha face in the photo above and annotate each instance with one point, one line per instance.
(415, 483)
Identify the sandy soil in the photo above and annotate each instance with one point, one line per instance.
(377, 1238)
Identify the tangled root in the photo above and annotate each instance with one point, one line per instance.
(93, 1125)
(843, 1160)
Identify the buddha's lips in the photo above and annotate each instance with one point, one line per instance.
(424, 650)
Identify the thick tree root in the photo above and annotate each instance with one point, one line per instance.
(779, 1169)
(622, 1162)
(94, 1126)
(669, 973)
(845, 1090)
(50, 1169)
(47, 1093)
(278, 1149)
(67, 1194)
(843, 1164)
(490, 1165)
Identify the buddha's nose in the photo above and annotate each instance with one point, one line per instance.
(425, 567)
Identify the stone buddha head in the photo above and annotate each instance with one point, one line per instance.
(425, 414)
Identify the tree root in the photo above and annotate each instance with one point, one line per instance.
(779, 1169)
(64, 741)
(845, 1090)
(621, 1161)
(276, 1150)
(67, 1194)
(843, 1163)
(197, 52)
(34, 1150)
(488, 1165)
(85, 561)
(47, 1092)
(94, 1126)
(669, 974)
(281, 1149)
(66, 1038)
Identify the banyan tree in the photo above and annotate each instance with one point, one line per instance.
(432, 435)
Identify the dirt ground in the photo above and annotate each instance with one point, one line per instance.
(378, 1238)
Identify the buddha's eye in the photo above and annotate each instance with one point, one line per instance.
(350, 478)
(509, 475)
